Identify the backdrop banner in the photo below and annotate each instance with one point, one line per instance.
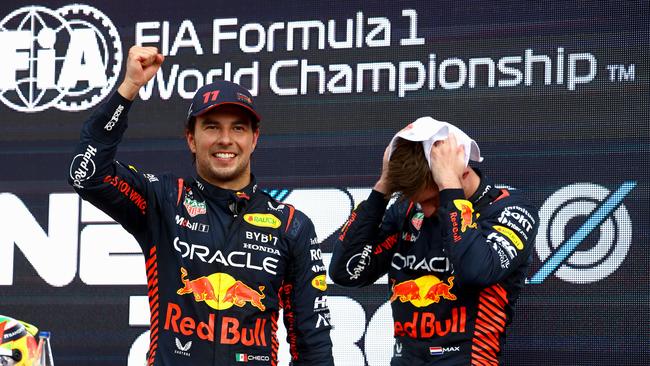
(556, 93)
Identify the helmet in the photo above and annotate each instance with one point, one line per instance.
(18, 346)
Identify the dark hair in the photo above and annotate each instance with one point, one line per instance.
(408, 169)
(190, 123)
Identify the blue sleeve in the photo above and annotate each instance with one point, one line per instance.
(118, 190)
(486, 247)
(304, 298)
(367, 242)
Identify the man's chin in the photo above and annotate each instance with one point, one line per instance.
(226, 175)
(223, 176)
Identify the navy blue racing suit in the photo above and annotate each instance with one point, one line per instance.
(220, 263)
(453, 278)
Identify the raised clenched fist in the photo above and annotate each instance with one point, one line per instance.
(141, 65)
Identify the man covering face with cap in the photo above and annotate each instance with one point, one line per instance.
(222, 257)
(455, 248)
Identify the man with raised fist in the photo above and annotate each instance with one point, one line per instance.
(222, 257)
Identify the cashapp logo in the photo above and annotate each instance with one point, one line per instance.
(567, 219)
(68, 58)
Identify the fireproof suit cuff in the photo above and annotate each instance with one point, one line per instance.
(376, 204)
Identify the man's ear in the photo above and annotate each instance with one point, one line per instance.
(256, 135)
(191, 143)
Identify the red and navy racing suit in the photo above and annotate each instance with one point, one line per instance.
(453, 278)
(219, 263)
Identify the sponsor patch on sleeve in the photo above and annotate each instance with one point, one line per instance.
(319, 282)
(512, 237)
(466, 210)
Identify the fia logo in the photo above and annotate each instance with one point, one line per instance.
(68, 58)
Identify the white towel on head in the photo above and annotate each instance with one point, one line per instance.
(428, 130)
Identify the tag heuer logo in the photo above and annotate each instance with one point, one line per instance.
(417, 220)
(194, 207)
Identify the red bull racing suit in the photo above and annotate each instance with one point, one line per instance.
(220, 263)
(453, 278)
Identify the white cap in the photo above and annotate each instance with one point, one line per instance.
(428, 130)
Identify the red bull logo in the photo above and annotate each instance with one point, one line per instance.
(239, 294)
(200, 287)
(427, 325)
(406, 291)
(244, 98)
(423, 291)
(441, 290)
(466, 214)
(221, 291)
(188, 326)
(242, 195)
(232, 332)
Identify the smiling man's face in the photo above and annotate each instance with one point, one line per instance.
(223, 141)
